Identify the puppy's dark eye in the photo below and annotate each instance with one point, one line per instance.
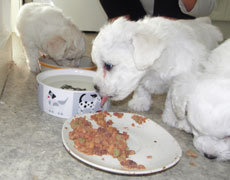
(108, 67)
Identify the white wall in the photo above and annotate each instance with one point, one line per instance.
(88, 15)
(15, 6)
(221, 16)
(5, 15)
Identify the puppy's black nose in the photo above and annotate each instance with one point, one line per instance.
(96, 88)
(210, 156)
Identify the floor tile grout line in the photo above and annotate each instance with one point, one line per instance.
(6, 80)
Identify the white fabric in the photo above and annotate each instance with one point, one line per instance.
(5, 21)
(201, 8)
(148, 6)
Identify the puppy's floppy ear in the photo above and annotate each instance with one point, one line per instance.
(56, 46)
(147, 48)
(180, 92)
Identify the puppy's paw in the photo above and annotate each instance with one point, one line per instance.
(140, 104)
(183, 125)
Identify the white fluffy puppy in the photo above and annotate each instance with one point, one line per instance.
(199, 103)
(44, 28)
(145, 56)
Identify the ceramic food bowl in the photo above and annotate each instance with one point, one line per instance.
(47, 63)
(66, 92)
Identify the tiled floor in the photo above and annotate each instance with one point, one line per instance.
(30, 140)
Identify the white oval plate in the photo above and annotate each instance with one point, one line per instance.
(147, 139)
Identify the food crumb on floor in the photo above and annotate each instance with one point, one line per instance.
(192, 164)
(190, 153)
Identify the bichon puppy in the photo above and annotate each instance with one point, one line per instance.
(44, 28)
(199, 103)
(146, 55)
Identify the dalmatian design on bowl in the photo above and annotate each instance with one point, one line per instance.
(55, 105)
(89, 103)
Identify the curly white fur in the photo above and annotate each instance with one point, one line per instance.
(44, 28)
(199, 103)
(145, 56)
